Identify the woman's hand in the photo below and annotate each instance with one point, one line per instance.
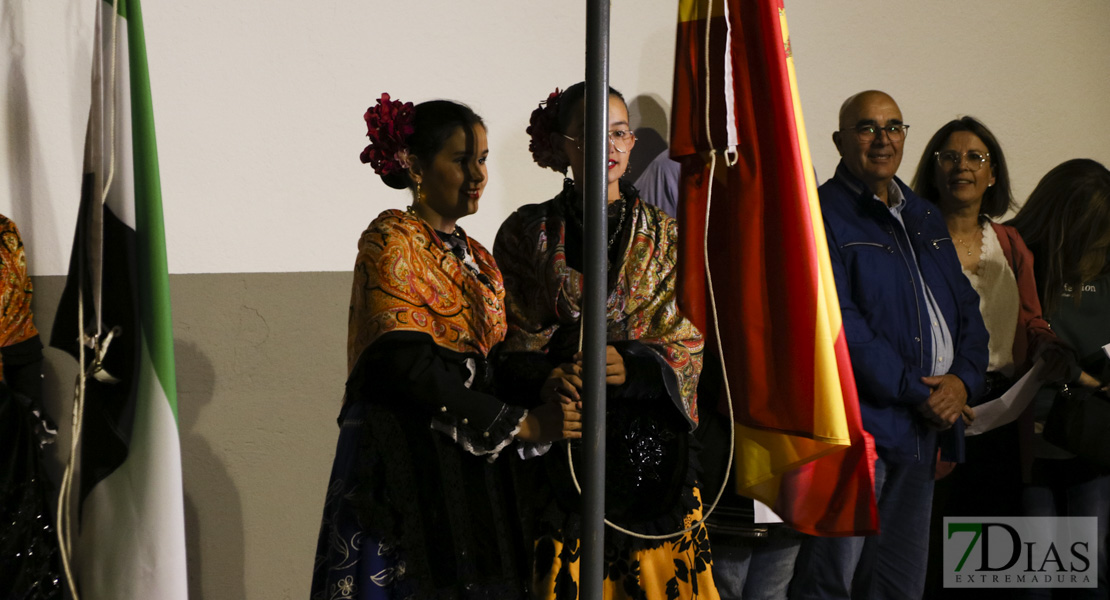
(564, 384)
(614, 366)
(1088, 380)
(968, 414)
(550, 422)
(1056, 363)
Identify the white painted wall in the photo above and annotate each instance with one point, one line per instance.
(258, 103)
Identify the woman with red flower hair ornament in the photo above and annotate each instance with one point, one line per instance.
(654, 360)
(419, 505)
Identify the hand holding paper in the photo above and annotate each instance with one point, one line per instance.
(1006, 408)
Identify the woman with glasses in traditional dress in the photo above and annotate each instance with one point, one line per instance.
(419, 506)
(653, 361)
(964, 172)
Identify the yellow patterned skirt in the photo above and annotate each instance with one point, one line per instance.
(678, 568)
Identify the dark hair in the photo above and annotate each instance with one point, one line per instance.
(998, 198)
(568, 103)
(434, 122)
(1067, 217)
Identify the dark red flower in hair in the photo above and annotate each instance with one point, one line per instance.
(542, 127)
(388, 125)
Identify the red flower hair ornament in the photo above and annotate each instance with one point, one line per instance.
(542, 127)
(388, 125)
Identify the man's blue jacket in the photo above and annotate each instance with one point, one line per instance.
(885, 318)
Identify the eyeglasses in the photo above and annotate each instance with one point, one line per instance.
(867, 133)
(621, 139)
(950, 158)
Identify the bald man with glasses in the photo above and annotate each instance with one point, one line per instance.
(918, 348)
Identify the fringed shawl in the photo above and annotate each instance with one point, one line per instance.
(16, 324)
(544, 293)
(407, 279)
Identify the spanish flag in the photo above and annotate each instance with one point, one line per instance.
(768, 297)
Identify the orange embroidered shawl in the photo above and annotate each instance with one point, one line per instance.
(544, 294)
(16, 324)
(408, 279)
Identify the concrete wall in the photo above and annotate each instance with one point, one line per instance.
(261, 361)
(258, 104)
(258, 108)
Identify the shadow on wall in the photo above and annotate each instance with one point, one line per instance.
(213, 509)
(649, 122)
(21, 148)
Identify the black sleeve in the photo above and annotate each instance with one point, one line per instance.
(409, 372)
(23, 368)
(646, 373)
(520, 375)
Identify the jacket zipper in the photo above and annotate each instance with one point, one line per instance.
(872, 244)
(920, 334)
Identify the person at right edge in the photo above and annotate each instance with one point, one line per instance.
(918, 348)
(1066, 223)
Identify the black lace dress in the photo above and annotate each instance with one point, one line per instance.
(29, 568)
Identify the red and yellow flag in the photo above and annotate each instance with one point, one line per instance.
(771, 304)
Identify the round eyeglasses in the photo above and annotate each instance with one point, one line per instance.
(621, 139)
(974, 159)
(868, 133)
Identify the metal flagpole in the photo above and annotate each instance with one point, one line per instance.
(595, 203)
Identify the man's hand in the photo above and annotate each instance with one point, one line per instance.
(946, 402)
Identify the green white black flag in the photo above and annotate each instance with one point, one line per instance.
(130, 539)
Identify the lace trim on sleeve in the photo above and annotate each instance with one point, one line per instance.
(529, 450)
(488, 443)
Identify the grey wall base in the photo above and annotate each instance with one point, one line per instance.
(261, 361)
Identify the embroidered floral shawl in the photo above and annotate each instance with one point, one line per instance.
(407, 279)
(16, 324)
(544, 294)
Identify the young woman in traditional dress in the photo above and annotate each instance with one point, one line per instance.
(418, 505)
(653, 360)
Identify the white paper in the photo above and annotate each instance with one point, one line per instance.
(1009, 406)
(764, 514)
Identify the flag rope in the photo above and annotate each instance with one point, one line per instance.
(65, 519)
(730, 160)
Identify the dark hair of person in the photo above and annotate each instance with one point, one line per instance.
(569, 100)
(434, 122)
(998, 198)
(1067, 217)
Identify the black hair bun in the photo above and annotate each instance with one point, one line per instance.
(397, 180)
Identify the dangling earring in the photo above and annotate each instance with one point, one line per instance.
(409, 209)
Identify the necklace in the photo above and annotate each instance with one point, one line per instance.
(575, 211)
(620, 223)
(968, 245)
(412, 211)
(457, 245)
